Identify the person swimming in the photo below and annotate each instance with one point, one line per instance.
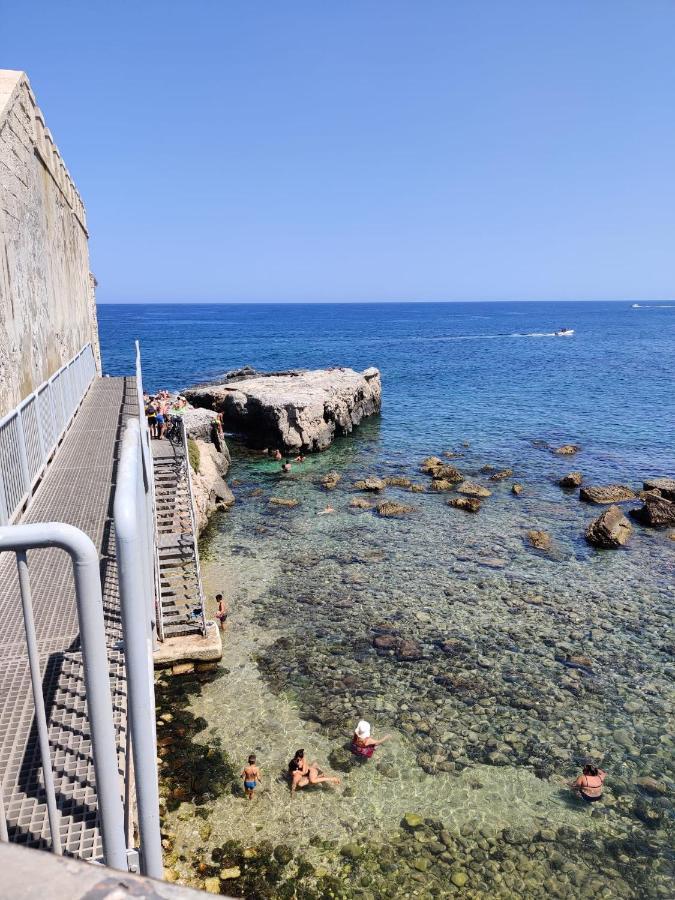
(303, 773)
(251, 776)
(362, 743)
(589, 784)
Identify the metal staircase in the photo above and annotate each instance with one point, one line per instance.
(181, 592)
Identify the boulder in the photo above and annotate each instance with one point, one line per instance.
(409, 651)
(370, 484)
(385, 642)
(441, 484)
(294, 411)
(665, 486)
(611, 529)
(501, 475)
(571, 480)
(610, 493)
(284, 501)
(468, 504)
(567, 449)
(473, 490)
(389, 508)
(360, 503)
(517, 489)
(398, 481)
(430, 463)
(417, 488)
(540, 540)
(446, 473)
(657, 512)
(331, 480)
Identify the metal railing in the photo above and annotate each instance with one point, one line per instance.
(30, 433)
(149, 476)
(86, 574)
(134, 531)
(193, 524)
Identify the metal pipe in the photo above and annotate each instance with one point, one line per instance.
(38, 699)
(95, 662)
(137, 649)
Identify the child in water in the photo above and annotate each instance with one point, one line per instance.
(251, 776)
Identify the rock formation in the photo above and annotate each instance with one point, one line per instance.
(611, 493)
(567, 449)
(468, 504)
(473, 490)
(571, 480)
(665, 487)
(611, 529)
(501, 475)
(540, 540)
(390, 508)
(208, 483)
(293, 410)
(657, 512)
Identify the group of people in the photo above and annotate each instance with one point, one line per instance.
(285, 463)
(161, 409)
(302, 773)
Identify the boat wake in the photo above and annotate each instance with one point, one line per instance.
(653, 306)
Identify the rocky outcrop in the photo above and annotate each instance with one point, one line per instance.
(473, 490)
(611, 529)
(391, 509)
(571, 480)
(331, 480)
(209, 490)
(468, 504)
(665, 486)
(657, 512)
(294, 411)
(610, 493)
(566, 450)
(540, 540)
(372, 484)
(501, 475)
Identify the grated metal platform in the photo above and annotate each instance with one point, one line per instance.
(78, 488)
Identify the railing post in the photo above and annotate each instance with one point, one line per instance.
(95, 664)
(23, 456)
(38, 699)
(130, 541)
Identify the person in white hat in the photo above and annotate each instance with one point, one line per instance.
(362, 743)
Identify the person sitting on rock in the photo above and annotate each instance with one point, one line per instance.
(303, 773)
(589, 784)
(362, 743)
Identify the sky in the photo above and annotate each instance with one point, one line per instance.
(435, 150)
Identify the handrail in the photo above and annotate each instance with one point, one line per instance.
(193, 524)
(149, 477)
(30, 433)
(86, 574)
(134, 555)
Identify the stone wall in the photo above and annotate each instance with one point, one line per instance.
(47, 303)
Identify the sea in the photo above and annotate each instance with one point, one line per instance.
(525, 665)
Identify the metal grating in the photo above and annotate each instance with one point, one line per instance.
(77, 488)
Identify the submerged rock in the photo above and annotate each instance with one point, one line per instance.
(284, 501)
(540, 540)
(398, 481)
(501, 475)
(360, 503)
(389, 508)
(517, 489)
(412, 821)
(430, 463)
(303, 410)
(370, 484)
(468, 504)
(409, 651)
(331, 480)
(471, 489)
(571, 480)
(611, 529)
(567, 449)
(610, 493)
(657, 512)
(446, 473)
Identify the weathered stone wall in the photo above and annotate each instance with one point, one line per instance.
(47, 303)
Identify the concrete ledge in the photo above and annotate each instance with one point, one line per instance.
(191, 653)
(36, 874)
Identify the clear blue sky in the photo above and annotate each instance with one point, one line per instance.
(363, 150)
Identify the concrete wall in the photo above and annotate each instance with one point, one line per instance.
(47, 303)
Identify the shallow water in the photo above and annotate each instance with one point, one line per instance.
(488, 723)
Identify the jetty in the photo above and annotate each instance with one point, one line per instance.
(99, 561)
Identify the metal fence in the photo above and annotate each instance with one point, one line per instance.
(30, 433)
(134, 541)
(86, 574)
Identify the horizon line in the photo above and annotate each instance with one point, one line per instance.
(364, 302)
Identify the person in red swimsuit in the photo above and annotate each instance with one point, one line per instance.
(589, 784)
(362, 743)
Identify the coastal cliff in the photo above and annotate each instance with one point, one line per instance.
(210, 462)
(293, 411)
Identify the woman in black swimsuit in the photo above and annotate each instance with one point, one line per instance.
(303, 773)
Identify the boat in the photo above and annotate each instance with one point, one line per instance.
(564, 332)
(635, 306)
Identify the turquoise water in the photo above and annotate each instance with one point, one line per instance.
(487, 722)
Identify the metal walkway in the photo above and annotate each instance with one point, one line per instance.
(176, 541)
(78, 488)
